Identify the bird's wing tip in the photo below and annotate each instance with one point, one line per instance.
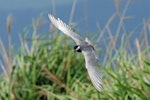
(49, 15)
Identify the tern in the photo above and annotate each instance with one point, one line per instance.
(83, 46)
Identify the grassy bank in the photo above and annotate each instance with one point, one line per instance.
(50, 70)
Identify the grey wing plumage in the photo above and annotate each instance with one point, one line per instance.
(93, 70)
(87, 50)
(66, 30)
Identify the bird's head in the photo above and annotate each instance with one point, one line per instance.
(77, 48)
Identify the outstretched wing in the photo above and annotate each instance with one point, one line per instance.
(67, 30)
(87, 51)
(92, 68)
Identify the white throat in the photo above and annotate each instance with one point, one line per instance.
(78, 48)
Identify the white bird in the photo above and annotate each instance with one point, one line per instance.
(84, 46)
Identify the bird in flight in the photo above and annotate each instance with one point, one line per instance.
(83, 46)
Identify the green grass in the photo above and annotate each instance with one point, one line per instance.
(52, 70)
(47, 68)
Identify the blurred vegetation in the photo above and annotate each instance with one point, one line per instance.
(47, 68)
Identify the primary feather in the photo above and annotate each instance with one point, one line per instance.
(66, 29)
(92, 68)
